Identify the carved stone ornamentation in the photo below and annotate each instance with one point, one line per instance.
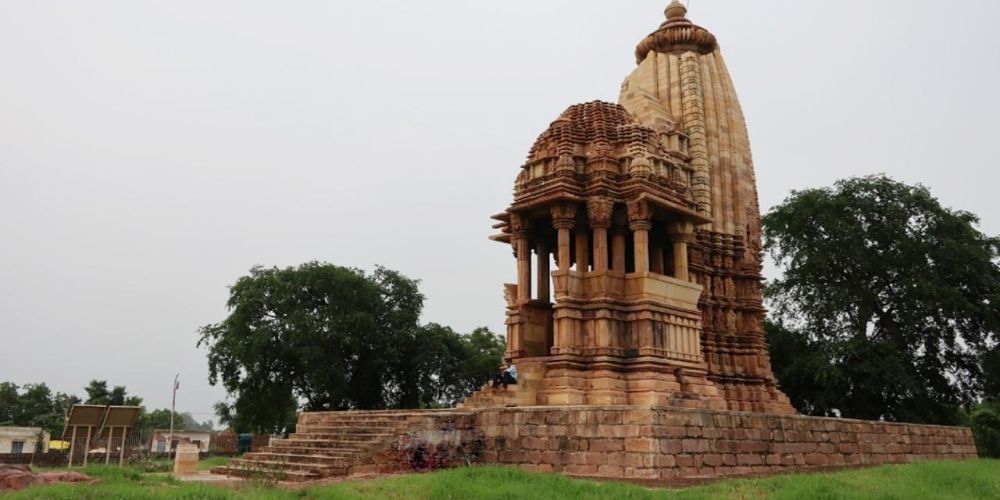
(675, 152)
(563, 214)
(639, 211)
(599, 211)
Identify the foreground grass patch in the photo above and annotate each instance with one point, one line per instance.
(210, 462)
(945, 480)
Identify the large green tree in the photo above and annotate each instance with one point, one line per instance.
(99, 394)
(323, 337)
(8, 403)
(888, 305)
(34, 405)
(441, 367)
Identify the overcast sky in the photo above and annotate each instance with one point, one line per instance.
(151, 152)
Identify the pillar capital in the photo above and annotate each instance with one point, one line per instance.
(599, 212)
(681, 232)
(639, 211)
(563, 216)
(518, 227)
(640, 225)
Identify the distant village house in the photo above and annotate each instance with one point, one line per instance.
(18, 440)
(160, 442)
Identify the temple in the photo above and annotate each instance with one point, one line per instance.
(636, 231)
(636, 322)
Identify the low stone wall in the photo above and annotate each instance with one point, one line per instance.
(672, 443)
(50, 459)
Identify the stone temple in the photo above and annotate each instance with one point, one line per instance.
(649, 209)
(641, 351)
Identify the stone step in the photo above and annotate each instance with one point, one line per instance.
(350, 421)
(351, 436)
(311, 450)
(295, 476)
(324, 470)
(343, 444)
(342, 430)
(267, 456)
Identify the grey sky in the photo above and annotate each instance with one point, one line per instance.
(152, 152)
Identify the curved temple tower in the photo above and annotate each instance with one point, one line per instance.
(648, 209)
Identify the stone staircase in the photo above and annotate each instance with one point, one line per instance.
(331, 444)
(487, 397)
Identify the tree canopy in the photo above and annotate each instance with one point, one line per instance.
(323, 337)
(888, 306)
(34, 405)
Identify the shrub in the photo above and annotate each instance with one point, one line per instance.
(985, 424)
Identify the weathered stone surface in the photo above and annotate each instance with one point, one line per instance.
(550, 439)
(186, 459)
(649, 207)
(750, 444)
(16, 477)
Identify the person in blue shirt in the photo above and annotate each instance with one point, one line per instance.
(506, 376)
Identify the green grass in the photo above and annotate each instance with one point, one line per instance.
(210, 462)
(944, 480)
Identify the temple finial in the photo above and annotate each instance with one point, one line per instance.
(676, 11)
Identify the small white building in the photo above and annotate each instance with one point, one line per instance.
(18, 440)
(160, 437)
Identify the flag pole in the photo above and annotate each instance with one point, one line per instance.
(173, 403)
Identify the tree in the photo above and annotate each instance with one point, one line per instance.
(8, 403)
(985, 423)
(484, 352)
(887, 305)
(990, 365)
(35, 407)
(32, 405)
(324, 335)
(441, 367)
(97, 392)
(321, 337)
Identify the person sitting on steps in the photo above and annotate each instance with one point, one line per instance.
(506, 376)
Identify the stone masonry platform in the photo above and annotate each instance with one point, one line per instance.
(620, 442)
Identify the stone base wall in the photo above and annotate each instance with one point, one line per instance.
(671, 443)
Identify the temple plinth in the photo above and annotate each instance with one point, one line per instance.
(648, 211)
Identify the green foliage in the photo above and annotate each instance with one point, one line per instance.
(8, 403)
(887, 307)
(333, 338)
(441, 367)
(985, 423)
(98, 394)
(33, 405)
(951, 480)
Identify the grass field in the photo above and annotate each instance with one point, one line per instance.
(944, 480)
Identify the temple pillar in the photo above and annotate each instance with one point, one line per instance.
(543, 277)
(681, 234)
(564, 219)
(639, 222)
(618, 248)
(523, 251)
(656, 263)
(582, 250)
(599, 215)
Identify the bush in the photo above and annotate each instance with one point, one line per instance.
(985, 424)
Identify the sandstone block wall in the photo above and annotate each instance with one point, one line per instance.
(672, 443)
